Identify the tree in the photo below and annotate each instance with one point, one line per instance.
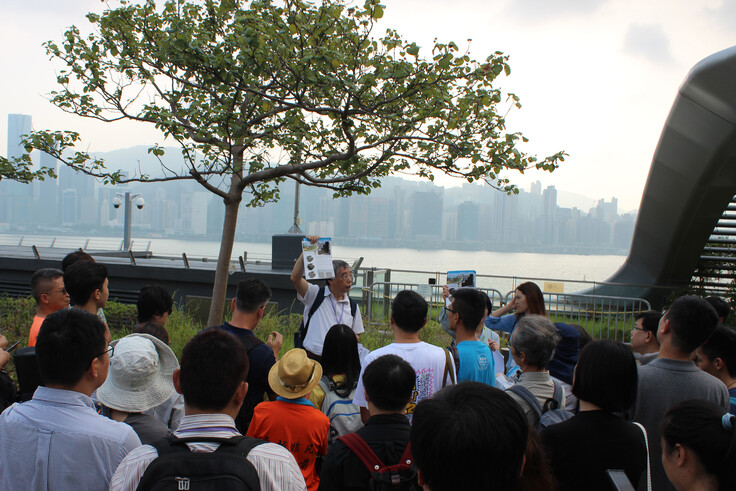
(259, 92)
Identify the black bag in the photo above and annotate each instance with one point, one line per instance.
(301, 333)
(178, 468)
(400, 476)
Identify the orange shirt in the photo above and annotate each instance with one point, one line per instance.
(37, 321)
(297, 426)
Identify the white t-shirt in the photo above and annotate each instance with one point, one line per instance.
(328, 314)
(428, 361)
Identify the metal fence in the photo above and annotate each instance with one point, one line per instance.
(604, 317)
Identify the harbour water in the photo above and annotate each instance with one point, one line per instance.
(569, 267)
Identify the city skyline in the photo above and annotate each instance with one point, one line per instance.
(401, 212)
(596, 77)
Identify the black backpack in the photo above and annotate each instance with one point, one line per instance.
(301, 333)
(178, 468)
(400, 476)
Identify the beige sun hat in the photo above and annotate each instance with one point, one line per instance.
(140, 375)
(294, 375)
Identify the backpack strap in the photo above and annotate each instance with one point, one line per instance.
(448, 369)
(556, 401)
(525, 394)
(360, 448)
(406, 457)
(353, 307)
(251, 342)
(315, 305)
(241, 445)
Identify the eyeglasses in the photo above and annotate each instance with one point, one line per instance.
(450, 309)
(62, 291)
(346, 276)
(637, 329)
(110, 350)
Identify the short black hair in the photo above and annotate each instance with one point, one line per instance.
(698, 425)
(722, 344)
(213, 364)
(154, 329)
(473, 427)
(692, 320)
(251, 294)
(82, 278)
(67, 342)
(340, 356)
(409, 310)
(721, 306)
(75, 257)
(153, 300)
(650, 321)
(41, 279)
(470, 305)
(389, 381)
(606, 375)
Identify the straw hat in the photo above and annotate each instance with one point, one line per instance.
(294, 375)
(140, 375)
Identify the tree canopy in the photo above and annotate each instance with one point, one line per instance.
(258, 92)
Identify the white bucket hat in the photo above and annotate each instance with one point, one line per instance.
(140, 375)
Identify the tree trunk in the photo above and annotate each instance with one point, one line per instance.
(222, 272)
(219, 290)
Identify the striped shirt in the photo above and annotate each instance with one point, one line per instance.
(275, 465)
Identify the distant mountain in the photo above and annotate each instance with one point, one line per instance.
(568, 199)
(135, 160)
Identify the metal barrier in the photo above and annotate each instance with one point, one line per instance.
(604, 317)
(379, 295)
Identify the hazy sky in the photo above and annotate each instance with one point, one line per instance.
(596, 77)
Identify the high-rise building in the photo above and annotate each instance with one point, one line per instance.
(16, 199)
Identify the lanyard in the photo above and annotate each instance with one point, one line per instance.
(334, 309)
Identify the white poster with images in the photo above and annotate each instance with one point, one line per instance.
(318, 259)
(459, 279)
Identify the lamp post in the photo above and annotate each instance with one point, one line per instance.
(129, 198)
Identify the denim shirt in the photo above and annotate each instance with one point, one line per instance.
(57, 441)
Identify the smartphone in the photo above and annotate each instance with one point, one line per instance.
(13, 347)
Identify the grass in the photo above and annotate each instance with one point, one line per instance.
(16, 316)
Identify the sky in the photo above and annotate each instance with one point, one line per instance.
(596, 78)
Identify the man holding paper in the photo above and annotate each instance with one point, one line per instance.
(325, 306)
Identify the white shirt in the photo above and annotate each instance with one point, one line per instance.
(428, 362)
(275, 465)
(329, 313)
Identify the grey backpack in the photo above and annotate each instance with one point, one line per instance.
(344, 415)
(552, 412)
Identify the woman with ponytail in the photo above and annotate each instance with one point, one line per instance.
(699, 447)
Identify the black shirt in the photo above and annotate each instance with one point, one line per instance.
(582, 448)
(386, 434)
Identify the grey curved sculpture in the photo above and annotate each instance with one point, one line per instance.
(691, 182)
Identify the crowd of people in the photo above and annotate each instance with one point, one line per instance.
(557, 410)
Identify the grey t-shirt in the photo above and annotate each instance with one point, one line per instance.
(663, 383)
(148, 428)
